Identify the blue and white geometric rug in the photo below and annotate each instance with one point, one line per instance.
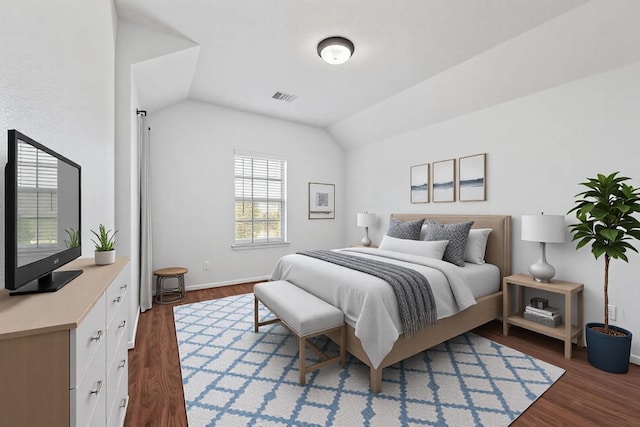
(235, 377)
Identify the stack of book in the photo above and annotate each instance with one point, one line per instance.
(548, 316)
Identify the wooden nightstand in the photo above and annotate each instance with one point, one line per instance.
(565, 332)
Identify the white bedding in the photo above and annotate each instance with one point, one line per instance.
(369, 303)
(484, 279)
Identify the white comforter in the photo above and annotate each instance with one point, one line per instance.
(369, 303)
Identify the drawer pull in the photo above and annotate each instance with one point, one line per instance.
(97, 337)
(122, 363)
(123, 324)
(97, 390)
(123, 287)
(117, 299)
(123, 403)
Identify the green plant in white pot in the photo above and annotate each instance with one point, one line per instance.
(606, 220)
(105, 252)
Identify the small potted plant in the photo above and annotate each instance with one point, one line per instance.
(605, 213)
(105, 246)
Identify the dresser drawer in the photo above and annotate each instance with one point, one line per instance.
(119, 409)
(116, 294)
(117, 330)
(85, 341)
(91, 394)
(118, 369)
(98, 419)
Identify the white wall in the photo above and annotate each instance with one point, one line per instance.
(538, 149)
(192, 147)
(57, 86)
(136, 45)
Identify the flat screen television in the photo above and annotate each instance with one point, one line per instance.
(42, 217)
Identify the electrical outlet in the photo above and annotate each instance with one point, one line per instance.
(205, 265)
(612, 312)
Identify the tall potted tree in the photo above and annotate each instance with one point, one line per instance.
(605, 213)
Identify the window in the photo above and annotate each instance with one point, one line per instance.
(260, 199)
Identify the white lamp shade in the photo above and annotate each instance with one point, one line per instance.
(543, 228)
(366, 219)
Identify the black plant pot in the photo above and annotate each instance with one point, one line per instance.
(609, 353)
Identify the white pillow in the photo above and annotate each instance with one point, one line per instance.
(476, 245)
(432, 249)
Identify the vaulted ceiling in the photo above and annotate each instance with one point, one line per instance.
(249, 50)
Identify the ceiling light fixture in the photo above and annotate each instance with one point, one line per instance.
(335, 50)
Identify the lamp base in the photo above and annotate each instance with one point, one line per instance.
(542, 271)
(366, 241)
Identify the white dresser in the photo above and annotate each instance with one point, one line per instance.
(63, 355)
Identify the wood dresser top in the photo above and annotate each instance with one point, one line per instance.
(24, 315)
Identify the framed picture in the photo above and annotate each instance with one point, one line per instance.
(472, 182)
(322, 201)
(420, 183)
(444, 175)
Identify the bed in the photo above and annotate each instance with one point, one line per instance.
(376, 339)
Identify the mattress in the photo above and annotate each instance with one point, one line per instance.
(369, 303)
(484, 279)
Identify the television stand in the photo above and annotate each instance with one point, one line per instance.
(48, 283)
(63, 355)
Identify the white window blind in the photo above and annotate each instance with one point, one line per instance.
(260, 199)
(37, 198)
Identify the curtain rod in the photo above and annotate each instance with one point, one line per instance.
(143, 112)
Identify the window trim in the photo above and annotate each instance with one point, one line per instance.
(242, 245)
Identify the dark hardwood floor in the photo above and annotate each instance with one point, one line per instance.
(584, 396)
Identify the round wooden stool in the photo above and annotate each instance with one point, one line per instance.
(170, 295)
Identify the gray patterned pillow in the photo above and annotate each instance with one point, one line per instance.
(405, 230)
(456, 234)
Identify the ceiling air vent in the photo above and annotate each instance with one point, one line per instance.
(281, 96)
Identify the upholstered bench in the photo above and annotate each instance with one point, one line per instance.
(305, 315)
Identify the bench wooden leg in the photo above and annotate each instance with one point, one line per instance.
(256, 319)
(303, 369)
(327, 316)
(343, 347)
(303, 342)
(255, 314)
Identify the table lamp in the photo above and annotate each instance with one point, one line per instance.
(544, 229)
(366, 220)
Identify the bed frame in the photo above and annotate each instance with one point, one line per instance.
(488, 308)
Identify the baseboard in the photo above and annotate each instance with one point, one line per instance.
(226, 283)
(634, 359)
(132, 339)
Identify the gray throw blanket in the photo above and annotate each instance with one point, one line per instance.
(416, 303)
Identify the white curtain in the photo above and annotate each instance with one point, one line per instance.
(146, 273)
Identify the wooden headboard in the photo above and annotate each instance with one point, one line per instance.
(499, 244)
